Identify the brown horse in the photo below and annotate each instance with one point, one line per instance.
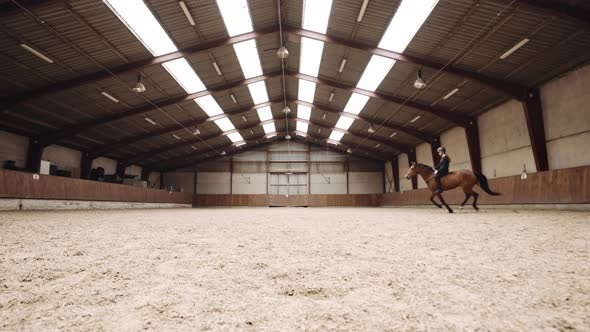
(463, 178)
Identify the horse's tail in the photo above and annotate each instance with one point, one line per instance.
(483, 183)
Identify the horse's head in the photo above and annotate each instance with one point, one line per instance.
(412, 171)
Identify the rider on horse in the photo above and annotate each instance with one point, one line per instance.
(442, 168)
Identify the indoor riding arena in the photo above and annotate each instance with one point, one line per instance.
(295, 165)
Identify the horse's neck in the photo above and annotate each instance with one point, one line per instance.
(426, 174)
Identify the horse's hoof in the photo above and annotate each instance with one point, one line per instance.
(450, 211)
(439, 206)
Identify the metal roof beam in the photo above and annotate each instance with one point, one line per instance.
(562, 9)
(321, 143)
(412, 132)
(10, 7)
(454, 117)
(131, 67)
(510, 88)
(361, 151)
(143, 155)
(397, 146)
(252, 145)
(101, 149)
(56, 135)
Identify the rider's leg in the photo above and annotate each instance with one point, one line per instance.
(439, 188)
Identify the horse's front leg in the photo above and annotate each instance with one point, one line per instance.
(435, 203)
(444, 203)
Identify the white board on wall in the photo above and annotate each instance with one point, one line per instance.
(454, 141)
(62, 157)
(567, 119)
(13, 147)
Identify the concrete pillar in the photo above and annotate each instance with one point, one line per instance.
(412, 159)
(85, 165)
(34, 154)
(533, 112)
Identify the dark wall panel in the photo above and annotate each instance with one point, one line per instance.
(564, 186)
(15, 184)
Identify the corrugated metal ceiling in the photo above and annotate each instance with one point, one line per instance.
(81, 36)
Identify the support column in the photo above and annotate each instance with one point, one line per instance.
(433, 146)
(145, 174)
(34, 154)
(195, 180)
(395, 172)
(231, 175)
(533, 112)
(267, 172)
(384, 177)
(347, 168)
(472, 135)
(412, 159)
(309, 169)
(85, 166)
(120, 171)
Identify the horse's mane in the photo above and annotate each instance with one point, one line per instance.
(425, 166)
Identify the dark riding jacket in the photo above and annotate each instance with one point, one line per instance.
(443, 166)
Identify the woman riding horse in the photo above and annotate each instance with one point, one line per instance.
(441, 169)
(463, 179)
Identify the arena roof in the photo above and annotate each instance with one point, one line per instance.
(69, 67)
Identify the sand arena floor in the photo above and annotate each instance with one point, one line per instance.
(295, 269)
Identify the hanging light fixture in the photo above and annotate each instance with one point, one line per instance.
(523, 176)
(419, 83)
(196, 131)
(139, 87)
(371, 130)
(288, 137)
(348, 151)
(282, 52)
(286, 109)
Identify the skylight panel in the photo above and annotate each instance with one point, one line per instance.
(406, 22)
(311, 56)
(264, 113)
(269, 128)
(303, 112)
(235, 137)
(236, 16)
(224, 124)
(336, 135)
(258, 92)
(375, 72)
(209, 105)
(344, 122)
(356, 103)
(185, 75)
(306, 91)
(316, 14)
(142, 23)
(247, 54)
(302, 126)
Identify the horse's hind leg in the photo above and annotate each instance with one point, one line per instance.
(435, 203)
(475, 196)
(467, 195)
(444, 203)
